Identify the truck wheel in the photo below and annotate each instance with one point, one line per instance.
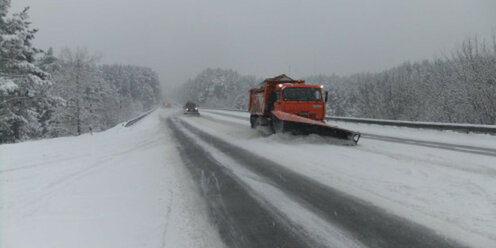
(253, 121)
(276, 125)
(272, 125)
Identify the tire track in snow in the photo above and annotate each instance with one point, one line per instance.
(369, 224)
(282, 205)
(45, 164)
(241, 220)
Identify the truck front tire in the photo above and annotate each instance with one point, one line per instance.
(253, 121)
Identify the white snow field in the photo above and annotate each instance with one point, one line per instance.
(128, 187)
(451, 192)
(124, 187)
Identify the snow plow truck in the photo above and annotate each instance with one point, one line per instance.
(292, 106)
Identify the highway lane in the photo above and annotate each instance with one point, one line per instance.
(440, 145)
(431, 144)
(241, 220)
(370, 225)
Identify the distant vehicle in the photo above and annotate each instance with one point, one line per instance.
(288, 105)
(191, 108)
(166, 105)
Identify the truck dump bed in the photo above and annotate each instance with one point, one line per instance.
(260, 95)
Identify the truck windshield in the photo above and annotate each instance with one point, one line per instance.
(301, 94)
(190, 105)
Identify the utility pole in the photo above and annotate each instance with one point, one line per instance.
(78, 92)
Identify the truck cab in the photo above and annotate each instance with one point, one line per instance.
(300, 99)
(285, 94)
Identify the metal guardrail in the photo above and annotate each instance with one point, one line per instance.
(226, 109)
(466, 128)
(136, 119)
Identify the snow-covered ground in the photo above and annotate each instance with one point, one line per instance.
(125, 187)
(450, 137)
(449, 191)
(128, 187)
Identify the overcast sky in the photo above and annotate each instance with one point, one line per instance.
(179, 38)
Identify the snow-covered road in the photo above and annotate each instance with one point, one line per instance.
(450, 191)
(125, 187)
(178, 181)
(428, 138)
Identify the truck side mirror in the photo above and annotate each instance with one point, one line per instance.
(326, 95)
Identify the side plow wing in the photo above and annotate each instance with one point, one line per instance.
(294, 124)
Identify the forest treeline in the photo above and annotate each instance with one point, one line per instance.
(458, 88)
(43, 95)
(218, 88)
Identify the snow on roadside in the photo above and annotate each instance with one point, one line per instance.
(450, 137)
(454, 193)
(125, 187)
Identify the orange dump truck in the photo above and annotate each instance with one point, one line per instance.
(288, 105)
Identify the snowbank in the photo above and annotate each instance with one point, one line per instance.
(125, 187)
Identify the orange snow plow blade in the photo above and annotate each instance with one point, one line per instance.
(294, 124)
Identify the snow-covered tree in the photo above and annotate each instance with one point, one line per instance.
(460, 88)
(78, 83)
(96, 97)
(42, 95)
(218, 88)
(23, 85)
(137, 89)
